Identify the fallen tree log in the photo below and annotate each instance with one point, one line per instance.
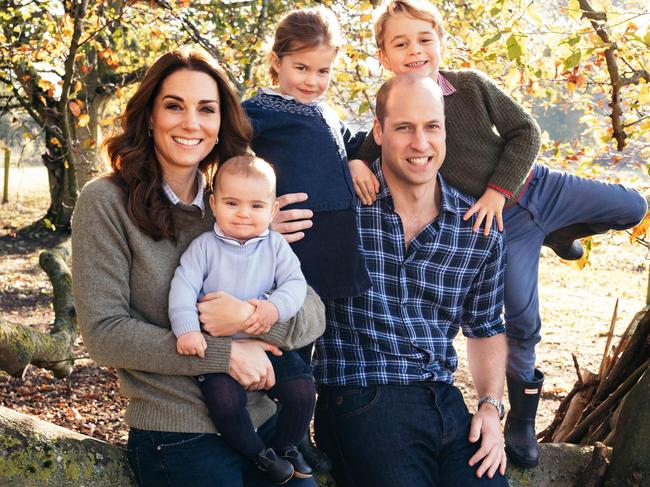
(22, 345)
(37, 453)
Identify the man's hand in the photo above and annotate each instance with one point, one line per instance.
(291, 223)
(191, 343)
(365, 183)
(487, 426)
(263, 318)
(487, 207)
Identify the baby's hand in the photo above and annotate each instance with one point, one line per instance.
(191, 343)
(488, 207)
(365, 183)
(262, 319)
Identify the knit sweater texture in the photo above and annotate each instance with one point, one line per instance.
(491, 140)
(121, 280)
(250, 270)
(307, 144)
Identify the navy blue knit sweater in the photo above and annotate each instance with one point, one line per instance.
(308, 147)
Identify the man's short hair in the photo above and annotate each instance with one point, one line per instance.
(247, 166)
(407, 79)
(417, 9)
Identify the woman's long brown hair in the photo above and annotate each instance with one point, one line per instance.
(133, 160)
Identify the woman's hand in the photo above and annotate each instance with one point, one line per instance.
(290, 223)
(488, 207)
(222, 314)
(365, 183)
(250, 366)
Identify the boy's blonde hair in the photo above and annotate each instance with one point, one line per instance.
(417, 9)
(304, 29)
(247, 166)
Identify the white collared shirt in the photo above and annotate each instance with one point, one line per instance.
(198, 200)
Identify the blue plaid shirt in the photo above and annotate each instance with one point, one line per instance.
(401, 330)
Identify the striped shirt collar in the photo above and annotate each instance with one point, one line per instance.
(233, 241)
(198, 200)
(448, 202)
(446, 87)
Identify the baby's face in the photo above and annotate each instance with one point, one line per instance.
(243, 206)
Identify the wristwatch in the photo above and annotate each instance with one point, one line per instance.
(496, 403)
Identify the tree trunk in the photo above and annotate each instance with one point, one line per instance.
(35, 453)
(87, 141)
(62, 202)
(21, 345)
(630, 464)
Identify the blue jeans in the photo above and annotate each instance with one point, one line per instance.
(195, 459)
(390, 435)
(553, 200)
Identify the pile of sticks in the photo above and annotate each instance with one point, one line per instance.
(588, 414)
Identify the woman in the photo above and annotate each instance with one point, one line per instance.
(129, 230)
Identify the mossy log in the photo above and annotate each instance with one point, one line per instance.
(37, 453)
(23, 345)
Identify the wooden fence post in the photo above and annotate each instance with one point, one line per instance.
(5, 193)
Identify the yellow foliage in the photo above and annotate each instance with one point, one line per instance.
(83, 120)
(641, 230)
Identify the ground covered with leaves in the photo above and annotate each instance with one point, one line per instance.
(577, 306)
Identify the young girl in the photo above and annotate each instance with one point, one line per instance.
(302, 136)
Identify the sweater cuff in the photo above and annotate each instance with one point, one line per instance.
(504, 192)
(284, 308)
(184, 323)
(217, 355)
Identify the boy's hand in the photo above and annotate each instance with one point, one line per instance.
(365, 183)
(487, 207)
(191, 343)
(263, 318)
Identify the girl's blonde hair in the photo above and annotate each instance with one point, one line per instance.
(416, 9)
(305, 29)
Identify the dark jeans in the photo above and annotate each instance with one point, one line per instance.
(392, 436)
(195, 459)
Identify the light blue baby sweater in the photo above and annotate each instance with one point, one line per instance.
(215, 262)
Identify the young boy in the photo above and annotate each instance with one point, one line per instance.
(243, 258)
(542, 207)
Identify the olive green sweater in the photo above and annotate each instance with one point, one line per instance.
(491, 140)
(121, 281)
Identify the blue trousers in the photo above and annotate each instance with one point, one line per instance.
(196, 459)
(553, 200)
(398, 436)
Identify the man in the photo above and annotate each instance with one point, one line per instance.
(387, 411)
